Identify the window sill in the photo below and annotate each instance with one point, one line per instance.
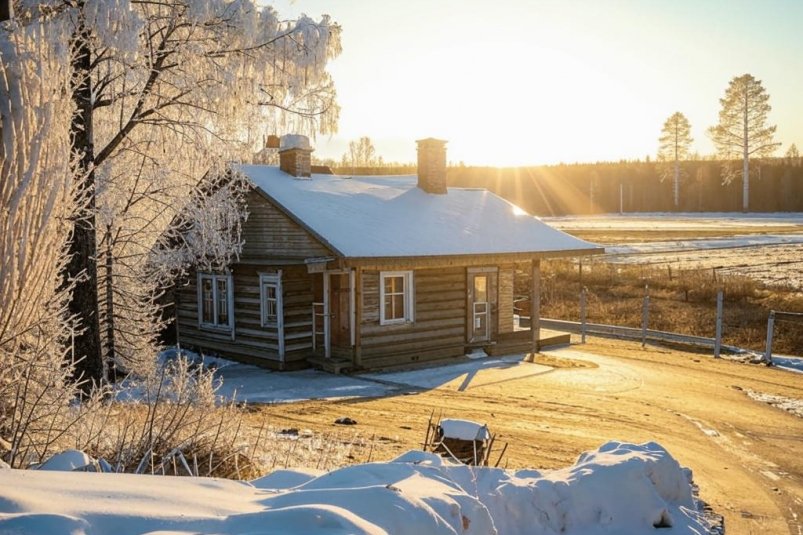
(223, 329)
(390, 323)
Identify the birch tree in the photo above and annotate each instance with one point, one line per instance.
(165, 91)
(36, 198)
(674, 147)
(742, 132)
(362, 153)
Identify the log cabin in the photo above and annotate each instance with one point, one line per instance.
(370, 272)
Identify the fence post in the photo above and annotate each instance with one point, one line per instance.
(583, 315)
(718, 337)
(770, 328)
(580, 272)
(645, 315)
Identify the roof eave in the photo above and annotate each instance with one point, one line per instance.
(467, 259)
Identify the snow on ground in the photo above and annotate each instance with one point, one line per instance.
(792, 364)
(681, 246)
(619, 488)
(676, 220)
(795, 406)
(251, 384)
(470, 374)
(756, 257)
(774, 258)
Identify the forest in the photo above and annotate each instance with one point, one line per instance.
(628, 186)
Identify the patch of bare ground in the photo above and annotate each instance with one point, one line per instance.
(559, 362)
(747, 456)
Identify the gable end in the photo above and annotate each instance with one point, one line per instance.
(271, 232)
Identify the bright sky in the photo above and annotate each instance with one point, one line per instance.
(516, 82)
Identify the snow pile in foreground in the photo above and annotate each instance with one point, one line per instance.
(619, 488)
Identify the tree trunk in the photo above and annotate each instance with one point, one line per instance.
(110, 348)
(676, 182)
(82, 266)
(745, 160)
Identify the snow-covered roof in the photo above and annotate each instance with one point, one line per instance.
(373, 217)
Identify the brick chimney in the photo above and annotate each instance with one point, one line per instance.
(294, 155)
(432, 165)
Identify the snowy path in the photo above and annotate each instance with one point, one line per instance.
(246, 383)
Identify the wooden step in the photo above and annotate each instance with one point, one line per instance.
(333, 365)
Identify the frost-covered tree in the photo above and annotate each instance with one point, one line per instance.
(36, 198)
(166, 91)
(674, 146)
(742, 132)
(361, 153)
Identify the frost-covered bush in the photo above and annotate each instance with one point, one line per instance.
(172, 422)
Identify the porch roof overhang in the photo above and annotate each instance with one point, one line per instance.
(461, 260)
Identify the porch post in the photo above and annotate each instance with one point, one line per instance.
(535, 305)
(357, 317)
(327, 342)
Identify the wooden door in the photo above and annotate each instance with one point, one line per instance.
(339, 310)
(481, 306)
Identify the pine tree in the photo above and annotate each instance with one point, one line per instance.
(674, 146)
(742, 132)
(792, 152)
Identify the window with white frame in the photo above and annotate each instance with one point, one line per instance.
(215, 298)
(270, 299)
(396, 297)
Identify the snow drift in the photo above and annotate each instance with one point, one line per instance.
(619, 488)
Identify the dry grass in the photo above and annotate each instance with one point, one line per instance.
(680, 301)
(173, 423)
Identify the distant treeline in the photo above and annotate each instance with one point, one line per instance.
(775, 186)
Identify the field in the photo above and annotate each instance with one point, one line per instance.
(755, 259)
(765, 247)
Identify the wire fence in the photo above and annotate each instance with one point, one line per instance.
(646, 335)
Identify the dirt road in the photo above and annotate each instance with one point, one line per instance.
(747, 456)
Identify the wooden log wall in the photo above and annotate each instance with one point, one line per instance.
(270, 233)
(297, 295)
(439, 330)
(252, 342)
(505, 307)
